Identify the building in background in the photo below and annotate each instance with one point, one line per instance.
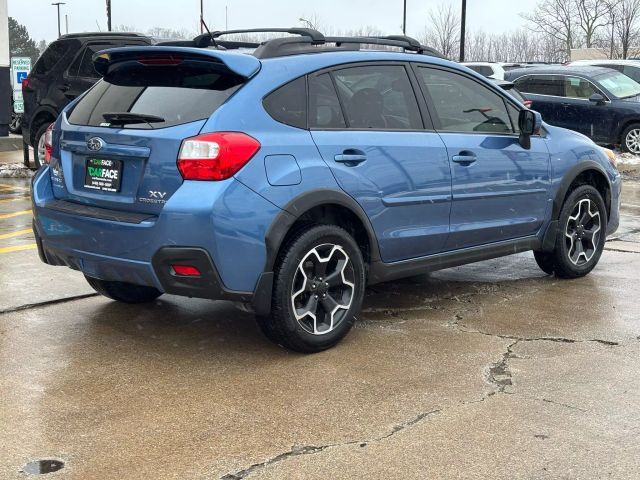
(5, 77)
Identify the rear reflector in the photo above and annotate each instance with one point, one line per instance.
(185, 270)
(48, 142)
(215, 156)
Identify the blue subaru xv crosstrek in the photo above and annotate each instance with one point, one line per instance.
(289, 177)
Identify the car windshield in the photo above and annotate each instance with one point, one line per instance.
(619, 84)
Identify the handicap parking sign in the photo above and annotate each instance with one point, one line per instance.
(20, 68)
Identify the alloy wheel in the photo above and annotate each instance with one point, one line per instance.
(583, 232)
(633, 140)
(323, 289)
(41, 149)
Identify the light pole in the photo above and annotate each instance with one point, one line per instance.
(463, 28)
(404, 18)
(57, 4)
(108, 15)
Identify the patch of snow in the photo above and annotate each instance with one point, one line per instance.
(15, 170)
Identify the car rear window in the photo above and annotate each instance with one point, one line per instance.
(178, 94)
(51, 56)
(288, 104)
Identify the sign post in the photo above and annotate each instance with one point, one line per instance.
(20, 68)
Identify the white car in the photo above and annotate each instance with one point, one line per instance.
(493, 69)
(631, 68)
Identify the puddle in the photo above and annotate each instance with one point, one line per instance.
(41, 467)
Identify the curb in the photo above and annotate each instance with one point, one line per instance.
(10, 143)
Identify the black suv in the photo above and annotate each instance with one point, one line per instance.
(63, 72)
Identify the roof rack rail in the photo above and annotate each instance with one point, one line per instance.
(305, 40)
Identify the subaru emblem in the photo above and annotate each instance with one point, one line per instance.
(94, 144)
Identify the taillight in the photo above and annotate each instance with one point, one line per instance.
(215, 156)
(25, 83)
(48, 142)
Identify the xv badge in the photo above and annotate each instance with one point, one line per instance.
(158, 195)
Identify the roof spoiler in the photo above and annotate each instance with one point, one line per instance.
(243, 65)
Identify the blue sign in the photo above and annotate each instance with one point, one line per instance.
(21, 76)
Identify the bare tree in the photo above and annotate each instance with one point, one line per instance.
(626, 16)
(592, 15)
(556, 19)
(443, 34)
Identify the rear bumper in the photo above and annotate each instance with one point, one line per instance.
(225, 243)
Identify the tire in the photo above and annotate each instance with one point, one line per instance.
(545, 261)
(630, 140)
(38, 145)
(334, 279)
(15, 126)
(581, 234)
(124, 292)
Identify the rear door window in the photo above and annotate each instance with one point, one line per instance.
(464, 105)
(552, 85)
(324, 106)
(178, 94)
(632, 72)
(378, 97)
(288, 104)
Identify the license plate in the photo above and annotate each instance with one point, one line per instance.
(104, 175)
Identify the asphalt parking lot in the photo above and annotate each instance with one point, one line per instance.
(491, 370)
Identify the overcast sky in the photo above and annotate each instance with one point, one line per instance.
(86, 15)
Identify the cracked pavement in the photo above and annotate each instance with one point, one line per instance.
(491, 370)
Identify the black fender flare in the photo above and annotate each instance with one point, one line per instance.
(568, 179)
(296, 207)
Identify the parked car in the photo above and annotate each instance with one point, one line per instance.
(63, 71)
(631, 68)
(493, 69)
(289, 179)
(600, 103)
(510, 87)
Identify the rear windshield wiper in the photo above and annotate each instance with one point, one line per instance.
(125, 118)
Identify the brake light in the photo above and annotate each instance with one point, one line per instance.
(215, 156)
(25, 83)
(164, 61)
(48, 142)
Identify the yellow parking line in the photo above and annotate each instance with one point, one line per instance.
(15, 214)
(17, 248)
(15, 234)
(15, 198)
(6, 186)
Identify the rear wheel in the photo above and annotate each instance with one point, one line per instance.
(581, 235)
(319, 287)
(124, 292)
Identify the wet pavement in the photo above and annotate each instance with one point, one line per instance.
(491, 370)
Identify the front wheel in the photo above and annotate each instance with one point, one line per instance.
(318, 290)
(581, 235)
(124, 292)
(631, 139)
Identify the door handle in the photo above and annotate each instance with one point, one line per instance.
(350, 158)
(465, 158)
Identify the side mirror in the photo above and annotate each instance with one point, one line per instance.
(597, 99)
(529, 123)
